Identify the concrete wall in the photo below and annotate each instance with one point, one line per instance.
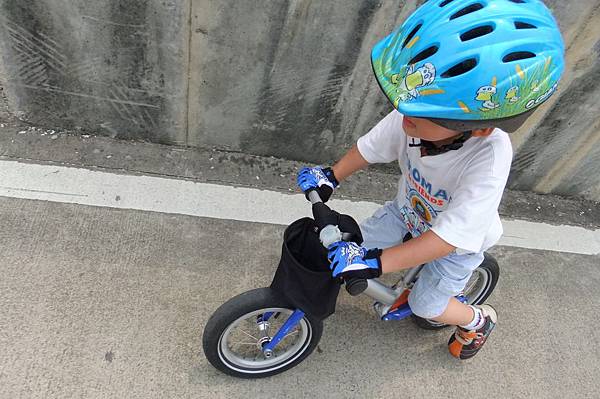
(113, 67)
(289, 78)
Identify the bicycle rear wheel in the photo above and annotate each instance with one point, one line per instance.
(479, 287)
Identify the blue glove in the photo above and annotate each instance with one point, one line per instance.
(350, 260)
(319, 179)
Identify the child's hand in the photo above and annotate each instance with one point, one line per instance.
(350, 260)
(321, 180)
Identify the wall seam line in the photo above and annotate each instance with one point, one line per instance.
(188, 75)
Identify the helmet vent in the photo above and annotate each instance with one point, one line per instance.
(524, 25)
(518, 1)
(461, 68)
(476, 32)
(518, 55)
(411, 35)
(467, 10)
(428, 52)
(445, 3)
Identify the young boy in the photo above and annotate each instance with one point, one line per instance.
(460, 75)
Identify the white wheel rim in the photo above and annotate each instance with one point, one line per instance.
(252, 360)
(477, 285)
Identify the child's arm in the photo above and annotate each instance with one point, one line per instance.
(381, 144)
(417, 251)
(350, 163)
(375, 262)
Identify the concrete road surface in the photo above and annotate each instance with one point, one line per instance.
(111, 303)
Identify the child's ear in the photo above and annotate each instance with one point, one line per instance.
(482, 132)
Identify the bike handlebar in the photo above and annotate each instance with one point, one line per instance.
(330, 233)
(314, 197)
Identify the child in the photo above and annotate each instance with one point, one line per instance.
(460, 74)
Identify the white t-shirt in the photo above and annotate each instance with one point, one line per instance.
(455, 194)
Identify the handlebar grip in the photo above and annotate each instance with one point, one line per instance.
(323, 215)
(356, 286)
(314, 197)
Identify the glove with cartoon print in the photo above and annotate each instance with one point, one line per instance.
(350, 260)
(320, 179)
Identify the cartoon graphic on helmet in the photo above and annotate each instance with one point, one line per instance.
(408, 85)
(529, 88)
(440, 62)
(486, 94)
(512, 95)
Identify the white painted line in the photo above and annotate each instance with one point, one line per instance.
(520, 233)
(157, 194)
(148, 193)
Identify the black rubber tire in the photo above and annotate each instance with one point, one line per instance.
(237, 307)
(491, 266)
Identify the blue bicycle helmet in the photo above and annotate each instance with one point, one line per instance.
(468, 64)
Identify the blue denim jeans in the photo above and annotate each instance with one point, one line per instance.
(438, 281)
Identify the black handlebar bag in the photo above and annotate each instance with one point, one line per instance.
(303, 276)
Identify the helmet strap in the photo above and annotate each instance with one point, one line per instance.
(428, 148)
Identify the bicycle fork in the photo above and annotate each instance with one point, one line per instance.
(269, 344)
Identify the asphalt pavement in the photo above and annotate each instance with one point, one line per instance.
(111, 303)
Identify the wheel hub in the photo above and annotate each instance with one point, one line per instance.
(262, 342)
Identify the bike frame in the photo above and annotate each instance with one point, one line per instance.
(391, 304)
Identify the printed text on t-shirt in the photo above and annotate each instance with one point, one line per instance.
(425, 188)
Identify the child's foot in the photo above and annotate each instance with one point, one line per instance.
(465, 344)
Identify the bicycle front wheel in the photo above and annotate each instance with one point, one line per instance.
(235, 335)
